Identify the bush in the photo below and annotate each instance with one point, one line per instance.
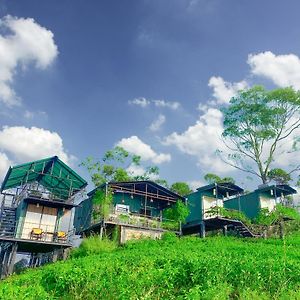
(93, 245)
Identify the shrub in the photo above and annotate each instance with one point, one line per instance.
(93, 245)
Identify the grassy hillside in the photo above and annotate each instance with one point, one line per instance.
(187, 268)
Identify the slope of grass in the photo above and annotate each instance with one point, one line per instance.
(186, 268)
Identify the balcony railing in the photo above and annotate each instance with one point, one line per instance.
(44, 233)
(137, 220)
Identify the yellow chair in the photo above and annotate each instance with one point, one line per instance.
(60, 236)
(36, 233)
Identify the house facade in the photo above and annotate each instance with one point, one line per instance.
(265, 197)
(136, 210)
(201, 204)
(36, 210)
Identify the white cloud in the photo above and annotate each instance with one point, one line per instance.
(26, 42)
(136, 146)
(194, 184)
(26, 144)
(156, 124)
(5, 163)
(29, 115)
(202, 140)
(135, 170)
(283, 70)
(168, 104)
(143, 102)
(223, 90)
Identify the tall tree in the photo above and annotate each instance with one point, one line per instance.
(256, 123)
(114, 166)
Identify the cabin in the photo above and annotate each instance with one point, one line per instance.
(203, 201)
(135, 211)
(36, 211)
(264, 197)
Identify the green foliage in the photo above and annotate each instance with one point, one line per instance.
(113, 166)
(229, 213)
(178, 212)
(256, 122)
(181, 188)
(101, 204)
(93, 245)
(172, 268)
(279, 176)
(213, 178)
(279, 214)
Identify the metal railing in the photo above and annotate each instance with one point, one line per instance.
(137, 220)
(47, 233)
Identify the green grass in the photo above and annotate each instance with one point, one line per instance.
(186, 268)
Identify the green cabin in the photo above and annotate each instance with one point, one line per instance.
(203, 200)
(36, 210)
(263, 197)
(138, 204)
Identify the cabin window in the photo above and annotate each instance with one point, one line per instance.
(268, 203)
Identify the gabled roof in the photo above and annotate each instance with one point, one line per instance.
(279, 189)
(152, 188)
(223, 189)
(50, 172)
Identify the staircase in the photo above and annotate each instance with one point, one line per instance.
(7, 221)
(241, 229)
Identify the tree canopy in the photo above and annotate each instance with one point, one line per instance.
(181, 188)
(115, 166)
(256, 124)
(213, 178)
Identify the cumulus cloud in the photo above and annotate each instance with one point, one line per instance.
(202, 140)
(26, 144)
(168, 104)
(223, 90)
(23, 43)
(156, 124)
(283, 70)
(136, 146)
(5, 163)
(143, 102)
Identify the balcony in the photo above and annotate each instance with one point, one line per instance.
(136, 220)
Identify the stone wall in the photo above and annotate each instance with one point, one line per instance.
(133, 233)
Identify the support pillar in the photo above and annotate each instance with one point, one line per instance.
(202, 229)
(225, 230)
(55, 255)
(12, 259)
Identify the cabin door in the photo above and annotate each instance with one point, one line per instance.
(40, 217)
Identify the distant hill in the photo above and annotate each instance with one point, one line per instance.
(172, 268)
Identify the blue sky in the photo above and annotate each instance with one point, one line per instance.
(79, 77)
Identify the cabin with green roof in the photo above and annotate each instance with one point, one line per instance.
(204, 213)
(36, 210)
(136, 210)
(264, 197)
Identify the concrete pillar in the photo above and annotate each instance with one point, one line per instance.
(202, 229)
(55, 255)
(225, 230)
(12, 259)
